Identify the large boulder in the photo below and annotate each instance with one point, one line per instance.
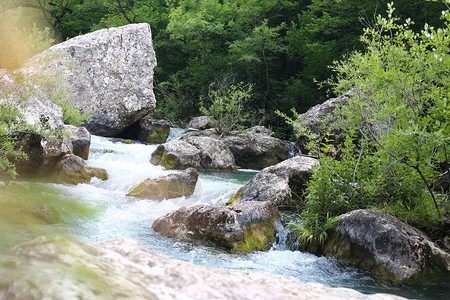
(72, 169)
(125, 269)
(243, 228)
(108, 73)
(207, 150)
(318, 119)
(153, 131)
(80, 139)
(30, 100)
(200, 152)
(202, 122)
(278, 184)
(387, 247)
(166, 187)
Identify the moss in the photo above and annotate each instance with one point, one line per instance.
(127, 141)
(169, 161)
(82, 176)
(236, 197)
(137, 190)
(157, 136)
(257, 237)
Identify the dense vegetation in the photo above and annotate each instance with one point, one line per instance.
(279, 47)
(395, 131)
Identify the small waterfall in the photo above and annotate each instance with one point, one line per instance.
(293, 149)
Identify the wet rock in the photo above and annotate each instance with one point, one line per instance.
(279, 184)
(244, 228)
(80, 139)
(202, 122)
(153, 131)
(200, 152)
(206, 150)
(72, 169)
(387, 247)
(166, 187)
(318, 119)
(108, 73)
(124, 268)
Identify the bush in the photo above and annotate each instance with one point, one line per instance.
(228, 106)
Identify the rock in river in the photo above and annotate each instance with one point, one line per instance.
(245, 227)
(58, 268)
(278, 184)
(109, 74)
(72, 169)
(389, 248)
(166, 187)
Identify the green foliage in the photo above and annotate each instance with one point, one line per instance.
(394, 127)
(228, 106)
(10, 120)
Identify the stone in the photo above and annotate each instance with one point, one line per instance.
(390, 249)
(279, 184)
(72, 169)
(42, 155)
(318, 119)
(30, 100)
(202, 122)
(243, 228)
(206, 150)
(153, 131)
(108, 73)
(167, 187)
(199, 152)
(125, 269)
(80, 138)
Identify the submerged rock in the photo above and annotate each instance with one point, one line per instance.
(124, 268)
(72, 169)
(166, 187)
(109, 74)
(202, 122)
(278, 184)
(243, 228)
(387, 247)
(206, 150)
(153, 131)
(80, 139)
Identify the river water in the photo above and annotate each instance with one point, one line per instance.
(112, 214)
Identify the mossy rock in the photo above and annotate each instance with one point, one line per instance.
(235, 199)
(155, 135)
(256, 237)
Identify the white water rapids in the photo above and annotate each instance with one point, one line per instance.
(118, 215)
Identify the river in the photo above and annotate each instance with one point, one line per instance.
(111, 214)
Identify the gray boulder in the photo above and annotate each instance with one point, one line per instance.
(108, 73)
(387, 247)
(200, 152)
(255, 149)
(80, 139)
(202, 122)
(166, 187)
(153, 131)
(318, 119)
(279, 184)
(125, 269)
(72, 169)
(243, 228)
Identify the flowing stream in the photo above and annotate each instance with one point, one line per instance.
(114, 215)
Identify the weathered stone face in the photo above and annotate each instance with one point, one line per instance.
(202, 122)
(153, 131)
(278, 184)
(243, 228)
(167, 187)
(389, 248)
(125, 269)
(80, 139)
(109, 73)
